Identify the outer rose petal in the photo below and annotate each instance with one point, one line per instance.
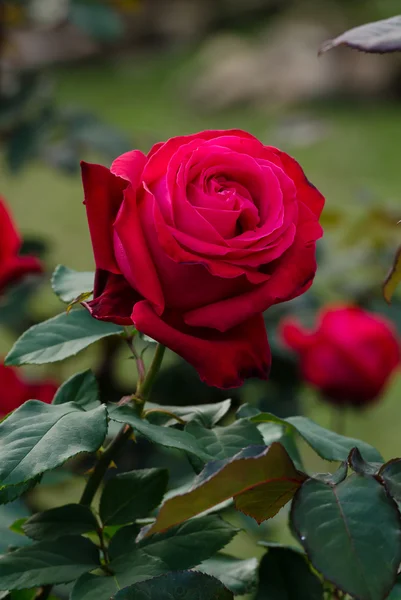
(129, 166)
(113, 299)
(222, 360)
(16, 267)
(132, 252)
(103, 197)
(306, 191)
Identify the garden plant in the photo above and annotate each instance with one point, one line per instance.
(193, 243)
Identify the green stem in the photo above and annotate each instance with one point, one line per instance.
(124, 434)
(100, 469)
(144, 389)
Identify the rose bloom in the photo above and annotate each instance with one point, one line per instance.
(15, 390)
(193, 241)
(350, 355)
(12, 266)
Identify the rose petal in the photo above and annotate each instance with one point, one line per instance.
(222, 361)
(290, 276)
(129, 166)
(113, 299)
(161, 153)
(103, 197)
(132, 252)
(306, 191)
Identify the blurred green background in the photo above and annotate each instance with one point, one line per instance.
(152, 70)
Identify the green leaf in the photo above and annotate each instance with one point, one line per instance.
(207, 415)
(59, 337)
(164, 436)
(38, 437)
(357, 464)
(16, 527)
(94, 587)
(393, 279)
(240, 475)
(48, 563)
(70, 519)
(185, 586)
(358, 527)
(82, 388)
(285, 573)
(68, 284)
(10, 514)
(390, 474)
(334, 478)
(99, 21)
(182, 547)
(378, 37)
(224, 442)
(239, 576)
(11, 493)
(274, 432)
(327, 444)
(133, 495)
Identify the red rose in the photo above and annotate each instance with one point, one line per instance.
(12, 266)
(14, 390)
(349, 356)
(195, 240)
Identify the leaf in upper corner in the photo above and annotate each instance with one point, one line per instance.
(358, 525)
(48, 562)
(238, 477)
(59, 337)
(38, 437)
(393, 278)
(174, 586)
(70, 519)
(285, 573)
(82, 388)
(132, 495)
(377, 37)
(239, 576)
(68, 284)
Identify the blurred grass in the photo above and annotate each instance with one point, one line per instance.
(147, 98)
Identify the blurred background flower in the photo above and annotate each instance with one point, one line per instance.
(349, 356)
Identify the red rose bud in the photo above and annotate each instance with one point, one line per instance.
(350, 355)
(14, 390)
(12, 266)
(193, 241)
